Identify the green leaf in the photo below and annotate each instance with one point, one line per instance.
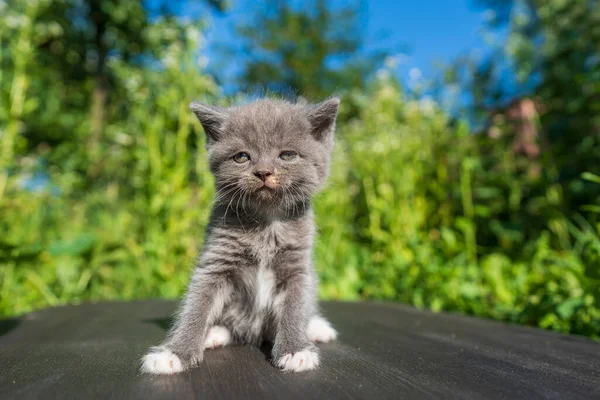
(588, 176)
(567, 309)
(80, 244)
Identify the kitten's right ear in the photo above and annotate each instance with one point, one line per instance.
(212, 119)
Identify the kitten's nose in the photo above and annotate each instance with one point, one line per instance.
(263, 175)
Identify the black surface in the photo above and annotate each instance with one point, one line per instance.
(384, 351)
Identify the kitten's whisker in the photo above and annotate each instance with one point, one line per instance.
(246, 192)
(303, 198)
(230, 202)
(295, 195)
(283, 201)
(224, 191)
(290, 200)
(237, 212)
(250, 216)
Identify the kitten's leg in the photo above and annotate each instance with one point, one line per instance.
(320, 330)
(207, 293)
(217, 336)
(293, 350)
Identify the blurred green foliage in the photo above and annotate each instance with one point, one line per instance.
(418, 209)
(548, 50)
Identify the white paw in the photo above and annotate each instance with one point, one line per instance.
(217, 336)
(161, 360)
(300, 361)
(320, 330)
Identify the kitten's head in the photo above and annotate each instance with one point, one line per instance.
(269, 153)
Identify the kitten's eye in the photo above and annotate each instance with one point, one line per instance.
(241, 158)
(288, 155)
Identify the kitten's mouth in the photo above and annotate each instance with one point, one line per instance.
(269, 184)
(266, 190)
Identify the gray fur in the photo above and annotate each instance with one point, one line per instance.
(258, 238)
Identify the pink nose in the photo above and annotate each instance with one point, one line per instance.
(263, 175)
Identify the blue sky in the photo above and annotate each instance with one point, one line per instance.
(431, 30)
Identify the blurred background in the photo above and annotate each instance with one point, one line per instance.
(466, 176)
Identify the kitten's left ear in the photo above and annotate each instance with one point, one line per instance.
(322, 118)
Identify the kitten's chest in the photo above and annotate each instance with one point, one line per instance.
(267, 247)
(267, 242)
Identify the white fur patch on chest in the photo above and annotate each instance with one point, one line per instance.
(265, 287)
(265, 249)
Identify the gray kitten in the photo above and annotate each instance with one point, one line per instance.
(254, 280)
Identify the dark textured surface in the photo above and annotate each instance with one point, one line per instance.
(384, 351)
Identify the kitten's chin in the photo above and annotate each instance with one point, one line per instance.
(267, 195)
(274, 200)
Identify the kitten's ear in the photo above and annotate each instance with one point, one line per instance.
(322, 118)
(212, 119)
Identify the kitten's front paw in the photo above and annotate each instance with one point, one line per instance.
(320, 330)
(217, 336)
(161, 360)
(300, 361)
